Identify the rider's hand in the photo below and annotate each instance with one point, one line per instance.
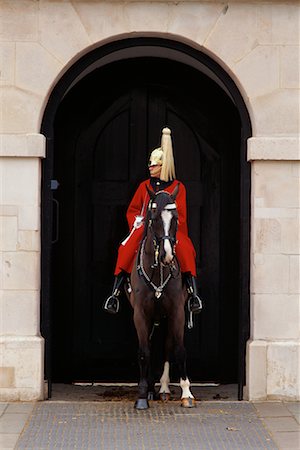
(139, 220)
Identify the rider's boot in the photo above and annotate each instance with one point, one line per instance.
(112, 305)
(194, 301)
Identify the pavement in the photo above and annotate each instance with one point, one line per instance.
(111, 422)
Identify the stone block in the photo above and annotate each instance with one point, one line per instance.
(7, 377)
(296, 166)
(21, 312)
(20, 111)
(31, 145)
(278, 23)
(273, 148)
(276, 235)
(29, 240)
(7, 63)
(273, 181)
(1, 273)
(102, 19)
(29, 217)
(193, 20)
(256, 370)
(19, 20)
(234, 34)
(31, 54)
(8, 210)
(276, 213)
(26, 171)
(269, 274)
(294, 280)
(26, 356)
(290, 236)
(283, 362)
(8, 233)
(36, 145)
(275, 113)
(61, 30)
(290, 66)
(275, 317)
(267, 236)
(265, 80)
(147, 16)
(21, 270)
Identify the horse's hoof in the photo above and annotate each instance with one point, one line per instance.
(141, 403)
(164, 397)
(188, 402)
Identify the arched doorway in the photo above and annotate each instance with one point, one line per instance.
(104, 122)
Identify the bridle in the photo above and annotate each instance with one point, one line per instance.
(157, 240)
(168, 207)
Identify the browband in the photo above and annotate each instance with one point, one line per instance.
(167, 207)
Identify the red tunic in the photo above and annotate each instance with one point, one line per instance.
(185, 250)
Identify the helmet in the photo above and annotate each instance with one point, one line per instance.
(163, 156)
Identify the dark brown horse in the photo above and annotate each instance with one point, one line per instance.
(157, 292)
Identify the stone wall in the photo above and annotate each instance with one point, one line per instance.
(273, 351)
(21, 347)
(258, 45)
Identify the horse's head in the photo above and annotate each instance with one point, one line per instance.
(162, 223)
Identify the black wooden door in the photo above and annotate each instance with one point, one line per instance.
(103, 154)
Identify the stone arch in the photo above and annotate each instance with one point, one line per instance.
(164, 48)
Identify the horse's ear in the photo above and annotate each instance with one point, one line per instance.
(151, 193)
(175, 192)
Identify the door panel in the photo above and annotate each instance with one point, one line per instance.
(103, 156)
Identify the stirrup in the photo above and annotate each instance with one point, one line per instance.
(112, 305)
(195, 304)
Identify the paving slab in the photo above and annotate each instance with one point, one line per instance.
(294, 407)
(8, 440)
(272, 409)
(19, 408)
(3, 407)
(287, 440)
(281, 424)
(117, 425)
(12, 423)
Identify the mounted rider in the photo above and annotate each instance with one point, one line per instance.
(162, 177)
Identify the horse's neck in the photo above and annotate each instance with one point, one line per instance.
(153, 267)
(149, 245)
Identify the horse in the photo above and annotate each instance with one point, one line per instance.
(157, 291)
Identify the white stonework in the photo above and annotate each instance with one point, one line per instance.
(257, 44)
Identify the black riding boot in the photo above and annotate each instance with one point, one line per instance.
(112, 305)
(194, 301)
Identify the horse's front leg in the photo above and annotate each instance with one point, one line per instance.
(187, 398)
(142, 327)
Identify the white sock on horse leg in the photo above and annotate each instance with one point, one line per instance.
(185, 386)
(165, 379)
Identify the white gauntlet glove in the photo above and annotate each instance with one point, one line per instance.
(138, 222)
